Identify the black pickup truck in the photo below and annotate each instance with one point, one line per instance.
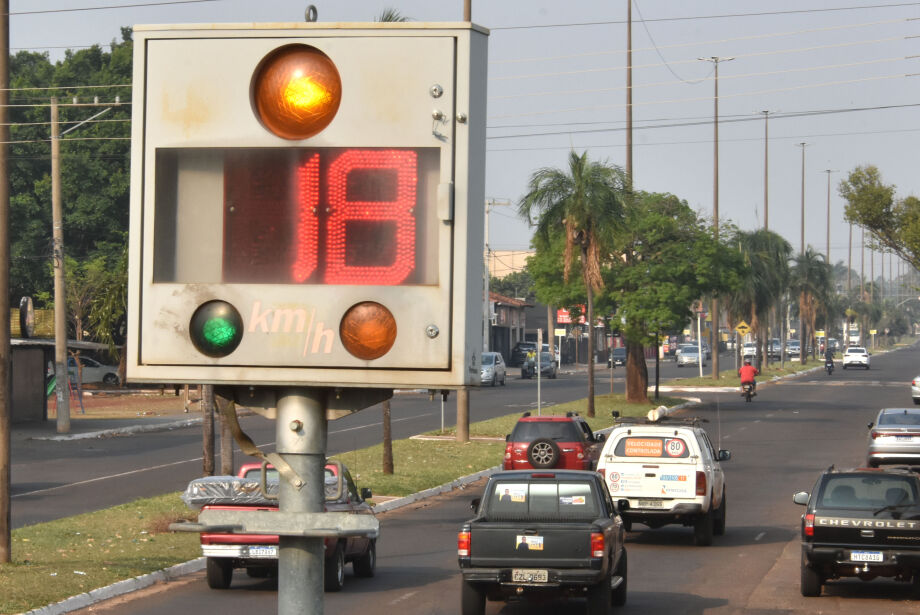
(861, 523)
(537, 534)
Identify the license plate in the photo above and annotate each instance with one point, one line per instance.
(266, 551)
(866, 556)
(903, 438)
(651, 503)
(529, 576)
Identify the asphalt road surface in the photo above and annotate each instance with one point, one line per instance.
(779, 444)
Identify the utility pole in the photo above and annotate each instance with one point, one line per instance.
(766, 167)
(629, 110)
(862, 266)
(827, 254)
(60, 297)
(802, 242)
(5, 397)
(487, 274)
(715, 204)
(849, 259)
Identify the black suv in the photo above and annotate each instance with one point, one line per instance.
(519, 352)
(861, 523)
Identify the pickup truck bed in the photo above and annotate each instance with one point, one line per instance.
(539, 534)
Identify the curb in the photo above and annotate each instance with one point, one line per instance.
(460, 483)
(118, 431)
(120, 588)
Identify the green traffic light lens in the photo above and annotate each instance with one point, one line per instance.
(216, 328)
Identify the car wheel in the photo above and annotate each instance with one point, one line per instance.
(627, 525)
(719, 525)
(543, 453)
(110, 379)
(871, 463)
(219, 572)
(334, 570)
(702, 530)
(844, 366)
(494, 378)
(811, 581)
(365, 565)
(503, 379)
(618, 596)
(916, 401)
(472, 599)
(599, 597)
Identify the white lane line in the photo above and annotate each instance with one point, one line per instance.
(176, 463)
(759, 536)
(404, 597)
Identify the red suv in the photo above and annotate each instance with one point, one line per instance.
(540, 442)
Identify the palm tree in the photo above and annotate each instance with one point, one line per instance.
(587, 202)
(391, 15)
(766, 255)
(812, 282)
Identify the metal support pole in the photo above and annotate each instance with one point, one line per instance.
(61, 376)
(301, 435)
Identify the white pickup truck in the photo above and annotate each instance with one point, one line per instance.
(666, 472)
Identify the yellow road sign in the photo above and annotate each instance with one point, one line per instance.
(743, 328)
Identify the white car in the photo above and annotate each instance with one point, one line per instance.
(856, 356)
(93, 371)
(666, 472)
(915, 389)
(749, 350)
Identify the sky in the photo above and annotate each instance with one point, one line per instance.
(841, 76)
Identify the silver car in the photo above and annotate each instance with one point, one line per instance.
(915, 389)
(689, 356)
(894, 437)
(492, 370)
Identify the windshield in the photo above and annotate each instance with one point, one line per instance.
(488, 359)
(868, 492)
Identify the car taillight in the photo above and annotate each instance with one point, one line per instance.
(701, 483)
(873, 434)
(602, 472)
(809, 524)
(579, 451)
(508, 448)
(463, 544)
(597, 544)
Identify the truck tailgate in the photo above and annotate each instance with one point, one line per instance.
(659, 479)
(560, 545)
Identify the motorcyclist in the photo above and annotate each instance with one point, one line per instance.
(747, 373)
(829, 355)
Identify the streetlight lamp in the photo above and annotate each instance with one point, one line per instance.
(802, 242)
(715, 199)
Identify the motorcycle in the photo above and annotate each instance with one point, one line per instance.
(829, 366)
(747, 391)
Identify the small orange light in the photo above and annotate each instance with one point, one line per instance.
(368, 330)
(296, 91)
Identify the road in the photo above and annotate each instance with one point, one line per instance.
(53, 479)
(779, 444)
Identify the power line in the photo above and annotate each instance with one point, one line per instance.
(114, 6)
(696, 17)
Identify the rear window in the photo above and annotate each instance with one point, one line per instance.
(652, 446)
(899, 418)
(570, 500)
(868, 492)
(561, 431)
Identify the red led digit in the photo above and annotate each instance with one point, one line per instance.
(387, 227)
(307, 234)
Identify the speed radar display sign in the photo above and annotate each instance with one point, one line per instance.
(307, 204)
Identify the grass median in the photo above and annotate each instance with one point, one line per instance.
(55, 560)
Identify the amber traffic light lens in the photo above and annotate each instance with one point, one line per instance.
(368, 330)
(296, 91)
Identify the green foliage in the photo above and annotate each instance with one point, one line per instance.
(892, 223)
(665, 258)
(514, 285)
(94, 161)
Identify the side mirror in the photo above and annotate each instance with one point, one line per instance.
(724, 455)
(507, 437)
(599, 437)
(474, 505)
(622, 505)
(615, 414)
(801, 498)
(366, 493)
(870, 425)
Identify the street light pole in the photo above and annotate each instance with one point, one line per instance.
(802, 241)
(828, 248)
(715, 202)
(766, 166)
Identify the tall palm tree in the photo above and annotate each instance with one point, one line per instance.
(766, 255)
(812, 282)
(586, 200)
(391, 15)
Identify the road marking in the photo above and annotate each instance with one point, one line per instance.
(403, 598)
(759, 536)
(176, 463)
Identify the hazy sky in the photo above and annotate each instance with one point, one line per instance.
(839, 75)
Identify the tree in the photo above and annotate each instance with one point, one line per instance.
(811, 281)
(586, 201)
(763, 283)
(517, 284)
(391, 15)
(871, 204)
(664, 259)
